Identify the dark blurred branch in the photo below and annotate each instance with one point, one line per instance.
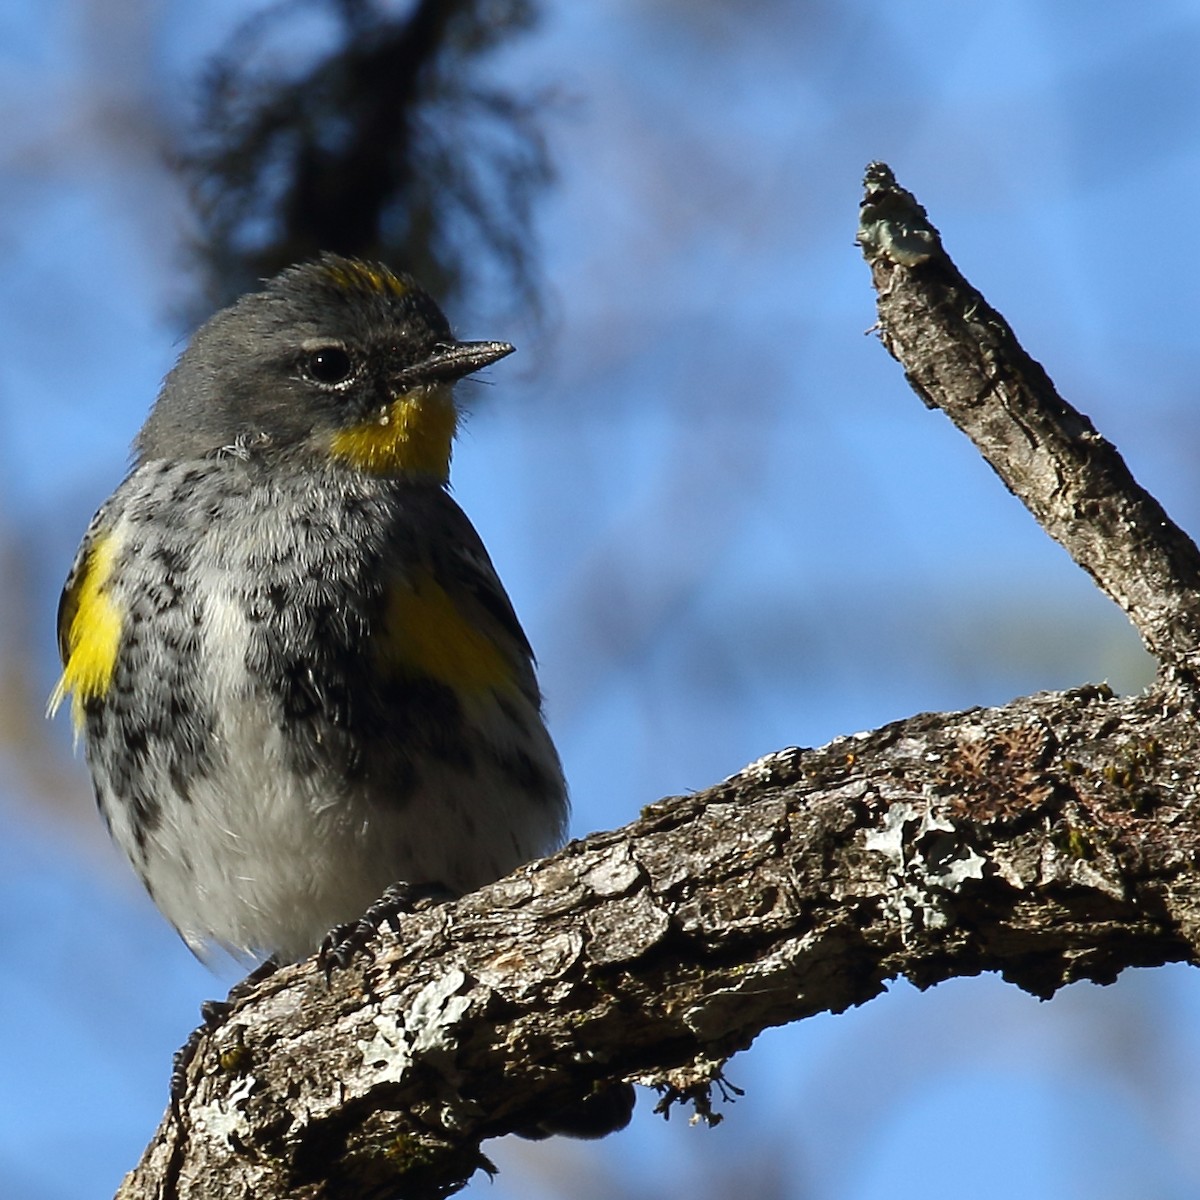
(960, 355)
(1054, 839)
(385, 144)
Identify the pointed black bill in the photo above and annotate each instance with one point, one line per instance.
(449, 362)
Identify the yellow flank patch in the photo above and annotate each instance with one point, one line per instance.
(352, 274)
(412, 434)
(427, 635)
(93, 633)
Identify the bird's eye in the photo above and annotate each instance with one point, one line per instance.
(328, 366)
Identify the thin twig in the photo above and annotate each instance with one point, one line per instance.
(961, 356)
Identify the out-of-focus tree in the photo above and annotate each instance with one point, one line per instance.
(341, 125)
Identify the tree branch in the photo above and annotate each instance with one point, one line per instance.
(1050, 840)
(960, 355)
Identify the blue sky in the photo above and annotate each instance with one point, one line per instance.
(726, 522)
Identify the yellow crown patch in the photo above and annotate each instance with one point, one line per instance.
(351, 274)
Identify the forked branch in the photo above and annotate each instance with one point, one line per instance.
(1050, 840)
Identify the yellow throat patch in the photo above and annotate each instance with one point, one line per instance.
(413, 434)
(92, 635)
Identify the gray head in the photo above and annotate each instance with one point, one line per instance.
(334, 358)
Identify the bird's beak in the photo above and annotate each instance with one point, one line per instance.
(451, 361)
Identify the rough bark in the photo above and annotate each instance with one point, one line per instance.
(1052, 839)
(960, 355)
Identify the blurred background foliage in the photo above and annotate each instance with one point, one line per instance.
(355, 127)
(726, 523)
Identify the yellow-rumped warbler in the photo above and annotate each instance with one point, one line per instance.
(296, 673)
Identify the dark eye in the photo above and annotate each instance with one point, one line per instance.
(328, 365)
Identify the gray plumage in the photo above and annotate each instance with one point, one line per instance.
(274, 746)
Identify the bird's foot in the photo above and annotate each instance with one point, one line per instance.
(343, 942)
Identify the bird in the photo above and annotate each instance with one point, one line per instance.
(296, 675)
